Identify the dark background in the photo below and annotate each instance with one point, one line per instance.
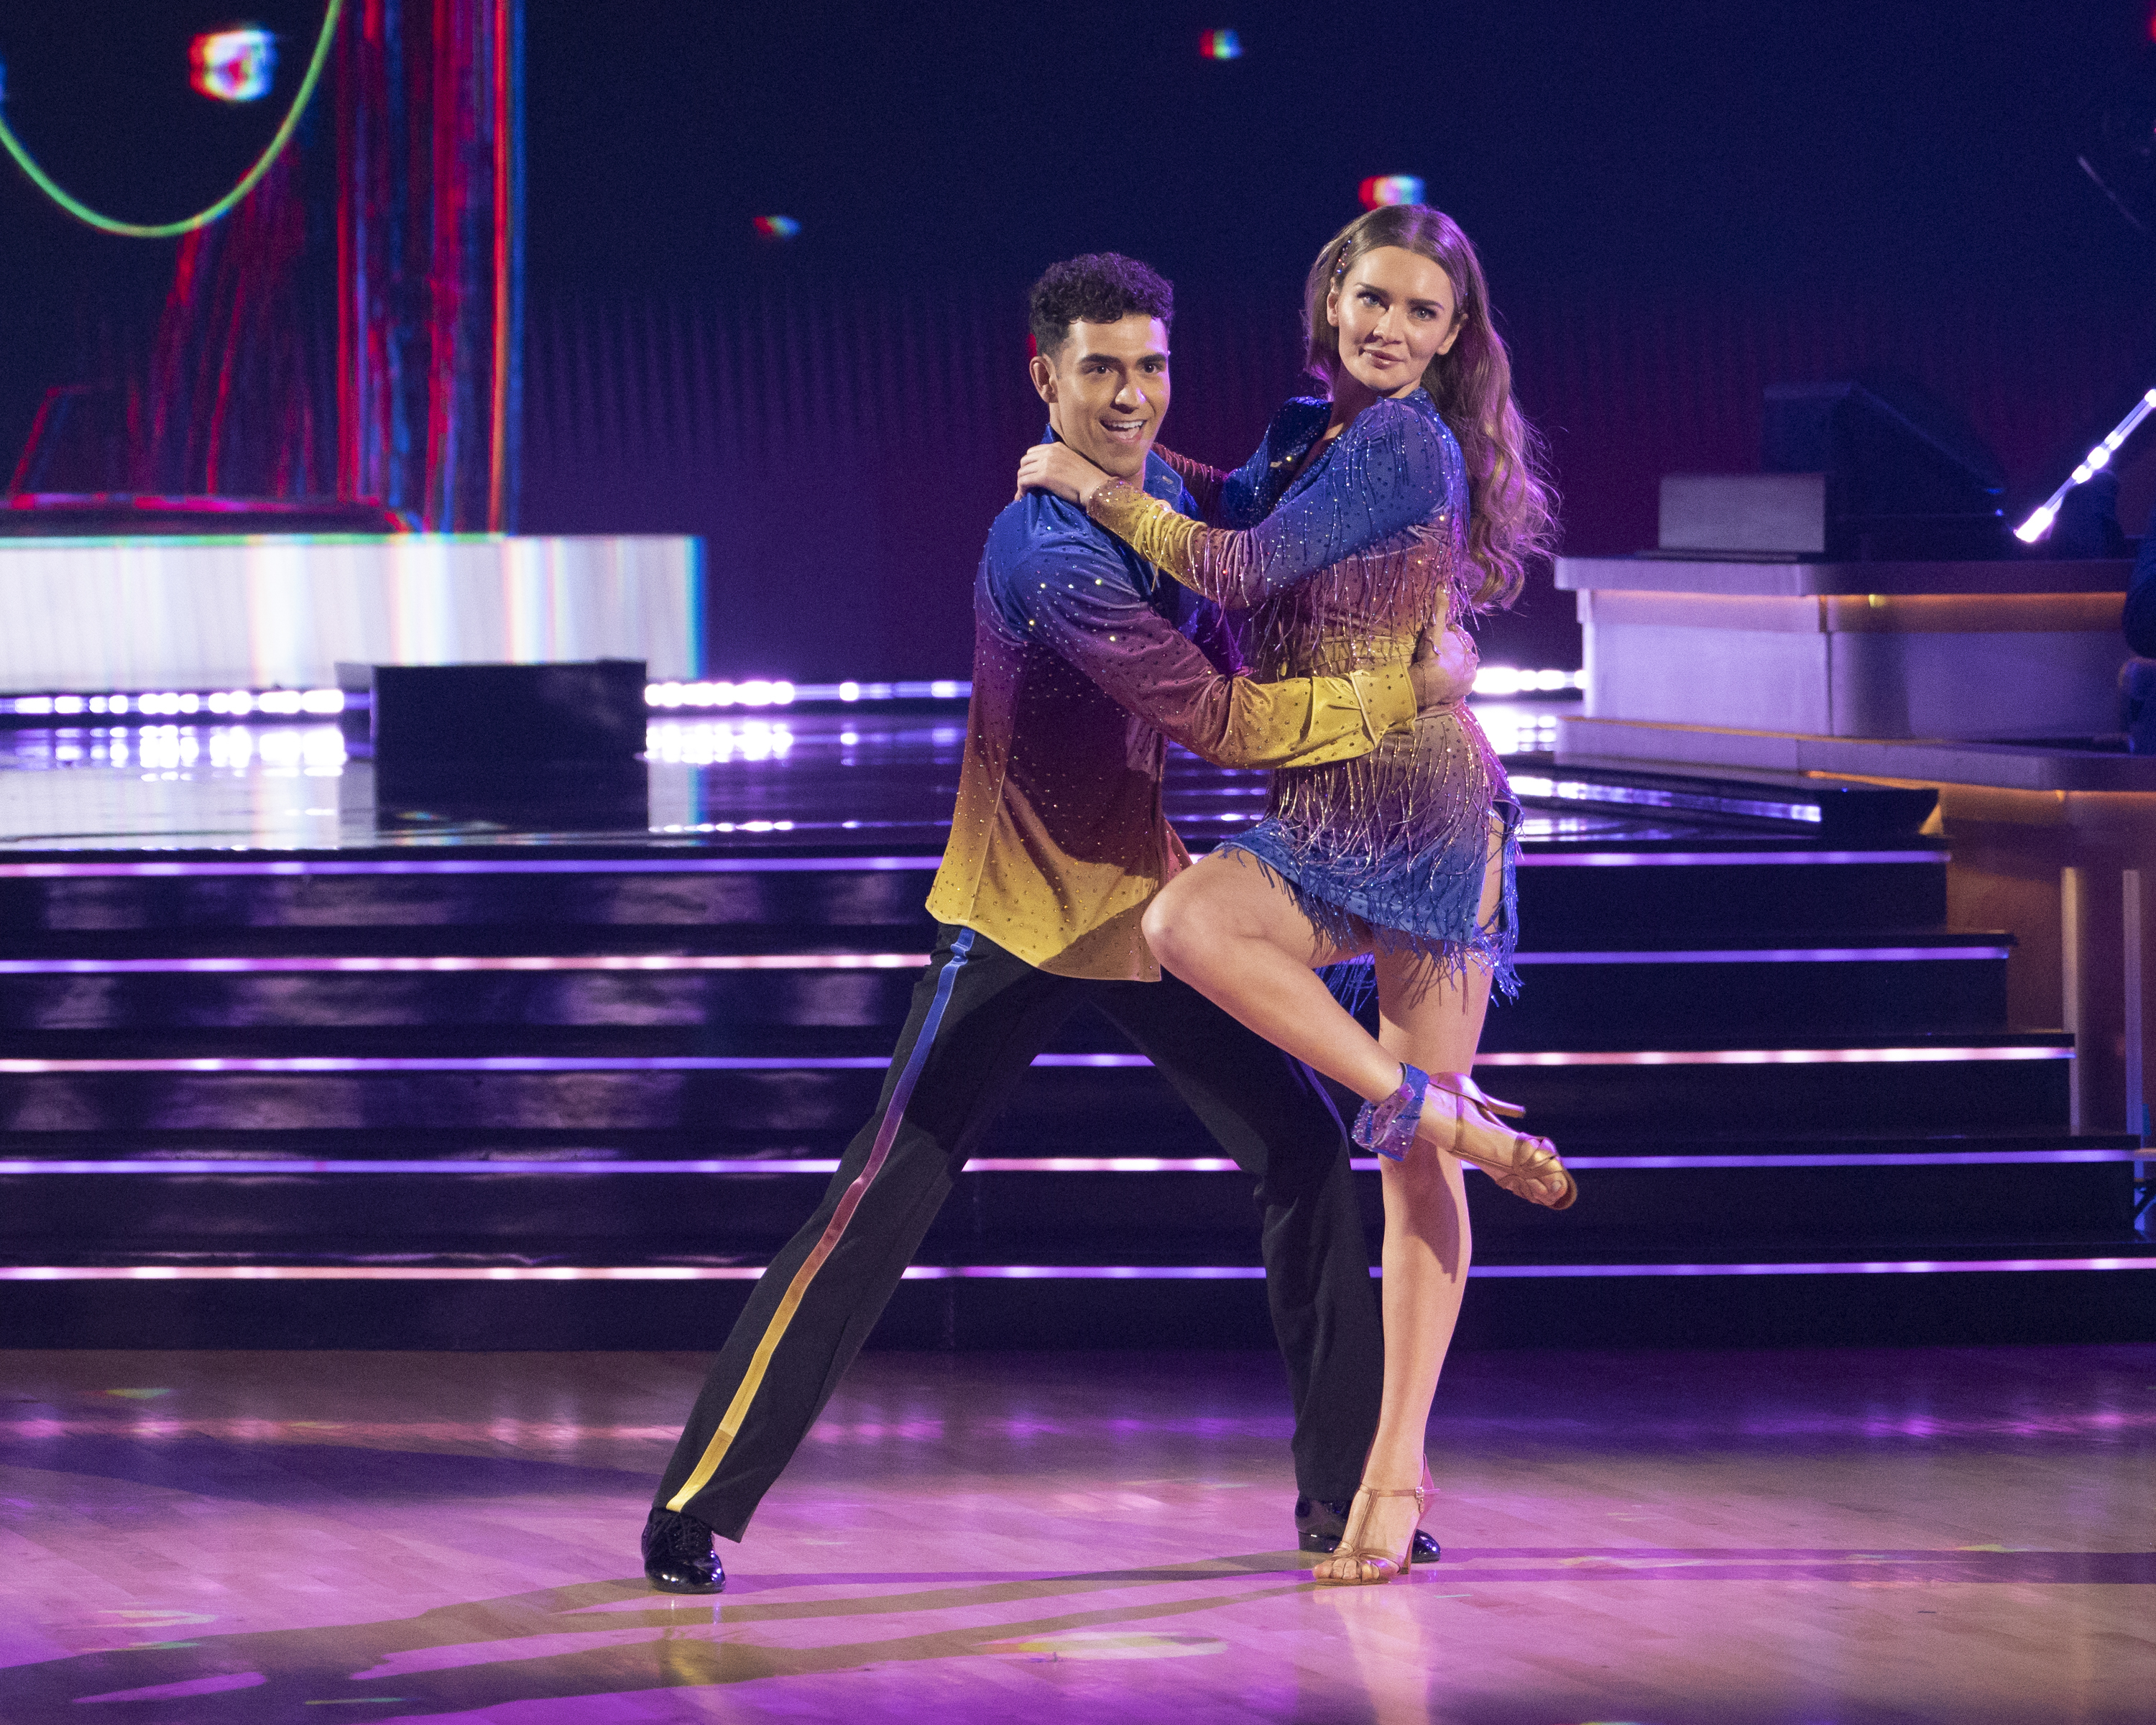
(1676, 205)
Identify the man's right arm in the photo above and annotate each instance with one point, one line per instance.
(1077, 599)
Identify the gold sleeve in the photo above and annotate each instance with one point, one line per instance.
(1156, 530)
(1306, 721)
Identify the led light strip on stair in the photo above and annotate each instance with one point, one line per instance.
(1017, 1272)
(245, 1168)
(304, 1064)
(210, 867)
(366, 964)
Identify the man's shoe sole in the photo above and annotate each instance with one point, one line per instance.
(668, 1584)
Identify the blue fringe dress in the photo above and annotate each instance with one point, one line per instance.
(1335, 570)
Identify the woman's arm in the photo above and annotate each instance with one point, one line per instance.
(1077, 601)
(1380, 479)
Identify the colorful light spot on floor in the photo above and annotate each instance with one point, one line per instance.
(1110, 1643)
(137, 1395)
(777, 227)
(1220, 45)
(179, 1691)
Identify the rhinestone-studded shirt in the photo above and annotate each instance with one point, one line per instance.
(1327, 571)
(1085, 664)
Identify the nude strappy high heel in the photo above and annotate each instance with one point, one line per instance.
(1373, 1567)
(1518, 1162)
(1465, 1126)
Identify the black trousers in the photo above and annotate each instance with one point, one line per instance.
(980, 1016)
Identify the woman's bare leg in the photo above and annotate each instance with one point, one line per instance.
(1234, 934)
(1432, 1020)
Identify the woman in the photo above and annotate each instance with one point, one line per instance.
(1406, 495)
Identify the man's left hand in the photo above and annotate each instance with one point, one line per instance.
(1443, 669)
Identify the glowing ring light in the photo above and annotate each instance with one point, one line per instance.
(253, 178)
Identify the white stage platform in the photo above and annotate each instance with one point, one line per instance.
(277, 612)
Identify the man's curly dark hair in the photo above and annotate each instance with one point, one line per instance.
(1100, 287)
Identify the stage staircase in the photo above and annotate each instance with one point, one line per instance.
(498, 1095)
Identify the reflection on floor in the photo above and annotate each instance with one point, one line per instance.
(1689, 1539)
(817, 777)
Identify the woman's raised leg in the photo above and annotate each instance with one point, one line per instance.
(1235, 934)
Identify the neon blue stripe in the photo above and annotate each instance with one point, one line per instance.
(917, 1057)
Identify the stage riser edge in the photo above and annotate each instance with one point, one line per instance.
(1948, 1309)
(1798, 1000)
(595, 1217)
(1929, 1096)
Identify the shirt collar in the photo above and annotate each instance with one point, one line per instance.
(1161, 480)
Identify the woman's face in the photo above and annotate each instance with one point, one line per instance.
(1396, 311)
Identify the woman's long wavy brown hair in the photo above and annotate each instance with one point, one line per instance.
(1512, 505)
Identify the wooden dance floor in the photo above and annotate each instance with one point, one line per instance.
(1680, 1538)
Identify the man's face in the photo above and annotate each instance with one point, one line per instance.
(1106, 391)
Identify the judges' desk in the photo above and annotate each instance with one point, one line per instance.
(93, 615)
(1995, 682)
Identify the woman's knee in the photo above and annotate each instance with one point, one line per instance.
(1163, 927)
(1179, 925)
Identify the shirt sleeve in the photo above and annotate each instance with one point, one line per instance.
(1204, 482)
(1381, 478)
(1079, 602)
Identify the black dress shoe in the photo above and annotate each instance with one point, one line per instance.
(1319, 1522)
(678, 1557)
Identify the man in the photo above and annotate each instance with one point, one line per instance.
(1080, 672)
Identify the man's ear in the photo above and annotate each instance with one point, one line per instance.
(1042, 370)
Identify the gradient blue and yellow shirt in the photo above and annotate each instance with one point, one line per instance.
(1085, 661)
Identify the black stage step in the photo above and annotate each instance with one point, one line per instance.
(1991, 1082)
(2039, 1295)
(1013, 1206)
(1806, 982)
(1586, 893)
(529, 1090)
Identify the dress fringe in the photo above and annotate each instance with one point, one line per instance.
(1491, 944)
